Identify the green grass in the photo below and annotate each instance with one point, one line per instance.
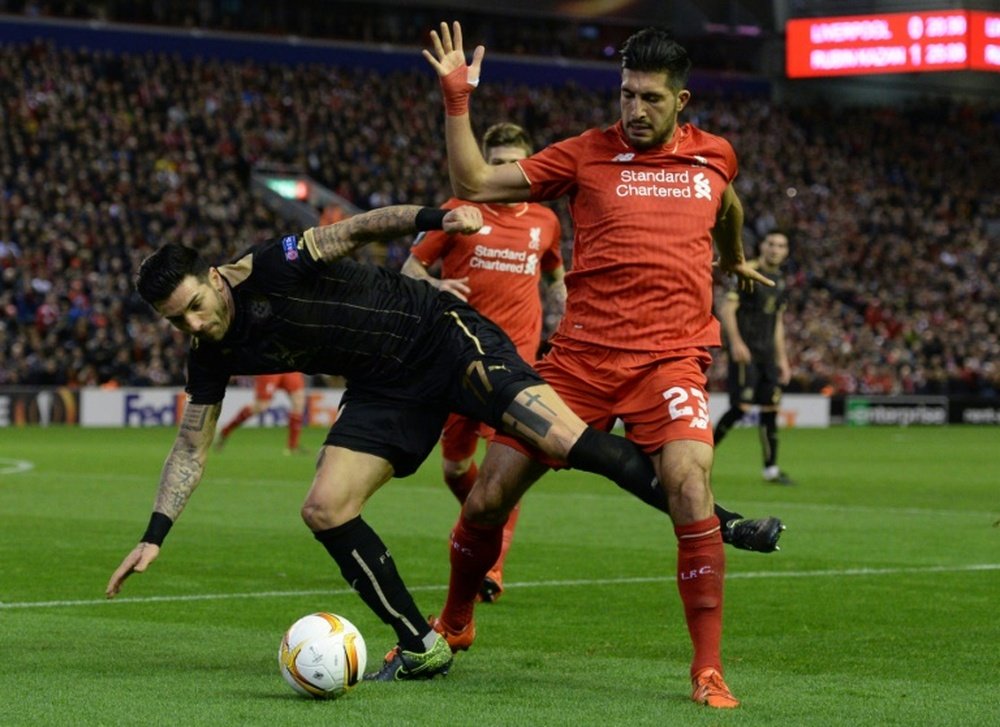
(882, 607)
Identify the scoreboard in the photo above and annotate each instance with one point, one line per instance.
(942, 40)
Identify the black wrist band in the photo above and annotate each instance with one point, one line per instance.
(430, 218)
(156, 531)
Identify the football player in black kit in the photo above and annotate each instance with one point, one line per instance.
(410, 353)
(758, 361)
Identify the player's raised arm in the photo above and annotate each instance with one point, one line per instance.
(728, 236)
(180, 476)
(471, 177)
(331, 242)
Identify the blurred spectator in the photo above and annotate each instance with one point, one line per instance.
(895, 212)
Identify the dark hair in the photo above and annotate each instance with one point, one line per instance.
(506, 134)
(161, 273)
(655, 50)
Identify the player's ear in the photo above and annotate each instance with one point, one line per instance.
(215, 278)
(682, 99)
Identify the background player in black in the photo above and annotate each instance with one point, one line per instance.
(758, 361)
(410, 354)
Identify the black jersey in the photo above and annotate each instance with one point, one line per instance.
(757, 315)
(296, 313)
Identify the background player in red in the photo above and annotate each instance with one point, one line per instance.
(648, 197)
(498, 271)
(294, 384)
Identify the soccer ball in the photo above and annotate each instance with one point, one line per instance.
(322, 655)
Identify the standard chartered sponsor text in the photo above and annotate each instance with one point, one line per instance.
(502, 259)
(636, 183)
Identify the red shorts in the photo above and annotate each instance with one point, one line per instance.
(661, 397)
(461, 436)
(266, 384)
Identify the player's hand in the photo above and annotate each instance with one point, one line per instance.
(739, 352)
(449, 55)
(784, 373)
(745, 273)
(135, 562)
(465, 220)
(459, 287)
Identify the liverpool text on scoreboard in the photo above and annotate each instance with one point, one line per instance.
(945, 40)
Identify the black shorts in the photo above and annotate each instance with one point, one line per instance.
(474, 371)
(754, 383)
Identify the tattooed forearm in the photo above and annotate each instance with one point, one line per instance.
(181, 474)
(186, 462)
(340, 239)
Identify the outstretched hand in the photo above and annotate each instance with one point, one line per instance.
(449, 55)
(135, 562)
(745, 273)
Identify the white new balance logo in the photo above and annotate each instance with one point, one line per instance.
(702, 186)
(626, 157)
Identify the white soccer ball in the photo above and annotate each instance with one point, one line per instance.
(322, 655)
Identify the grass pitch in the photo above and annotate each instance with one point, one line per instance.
(882, 607)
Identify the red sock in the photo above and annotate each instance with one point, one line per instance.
(701, 568)
(241, 416)
(461, 485)
(294, 429)
(474, 548)
(508, 536)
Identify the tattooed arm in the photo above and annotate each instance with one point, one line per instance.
(330, 242)
(186, 462)
(180, 476)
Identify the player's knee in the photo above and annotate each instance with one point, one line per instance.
(453, 470)
(318, 515)
(486, 504)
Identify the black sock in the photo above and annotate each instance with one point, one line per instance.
(727, 422)
(621, 461)
(769, 437)
(368, 568)
(725, 515)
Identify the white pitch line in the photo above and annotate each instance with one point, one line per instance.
(977, 567)
(14, 466)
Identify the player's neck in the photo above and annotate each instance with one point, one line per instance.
(764, 267)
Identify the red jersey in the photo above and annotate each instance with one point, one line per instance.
(504, 262)
(641, 277)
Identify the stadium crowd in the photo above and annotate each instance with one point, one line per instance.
(894, 214)
(586, 37)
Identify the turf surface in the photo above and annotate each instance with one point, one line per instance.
(882, 607)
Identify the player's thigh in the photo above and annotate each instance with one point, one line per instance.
(767, 392)
(504, 476)
(577, 376)
(667, 401)
(539, 417)
(343, 482)
(292, 382)
(265, 385)
(395, 424)
(742, 384)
